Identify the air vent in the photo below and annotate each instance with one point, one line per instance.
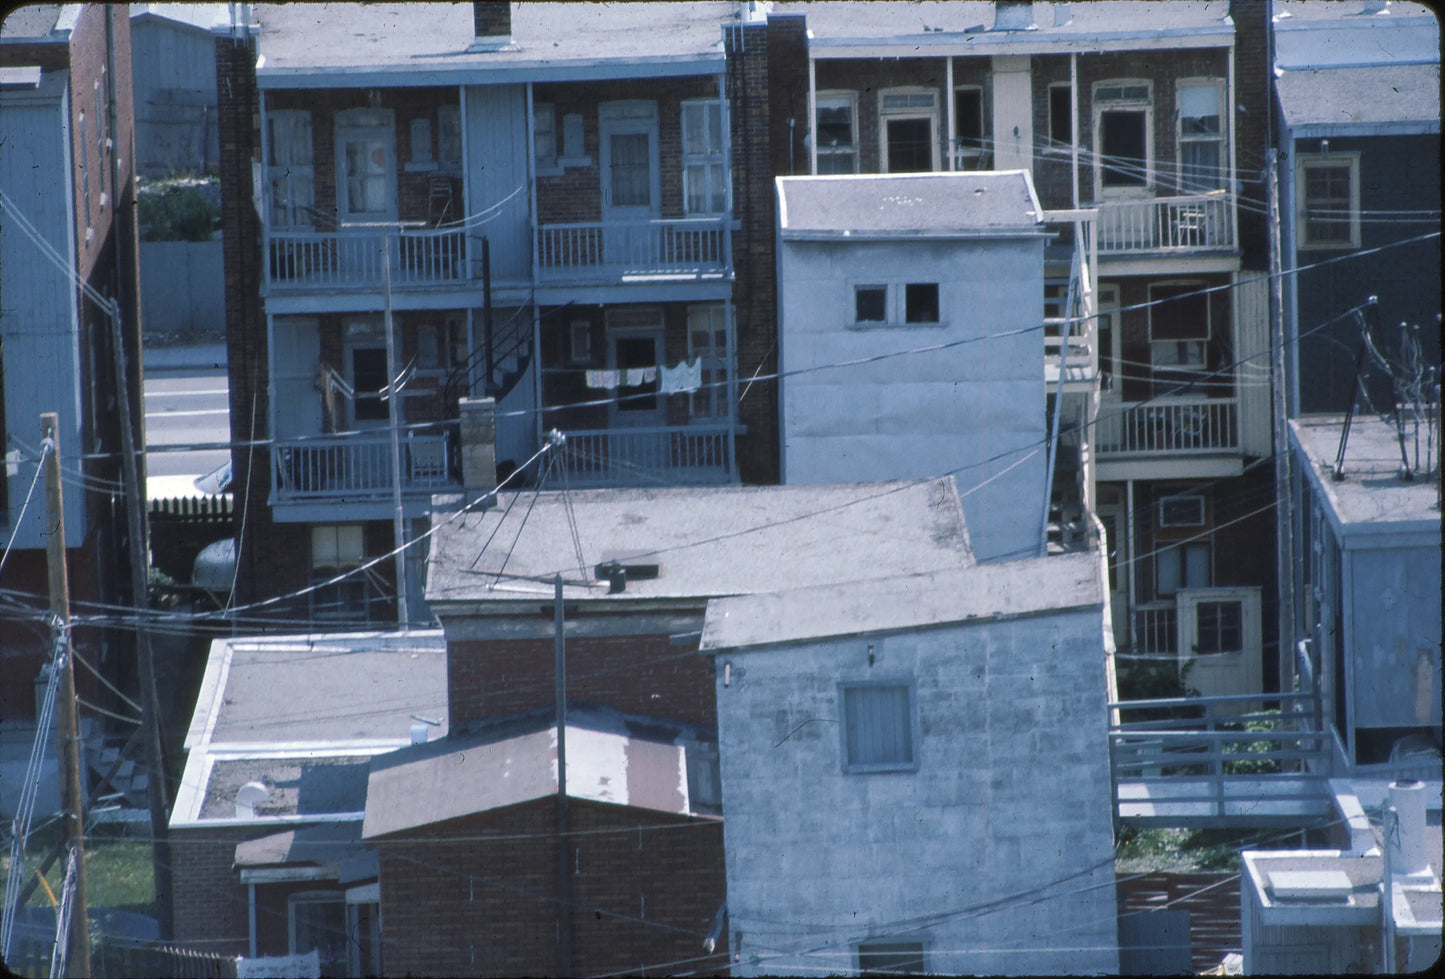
(1310, 885)
(617, 571)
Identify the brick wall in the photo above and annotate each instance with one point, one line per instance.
(477, 896)
(211, 904)
(1253, 80)
(638, 674)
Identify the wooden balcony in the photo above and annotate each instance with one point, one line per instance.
(357, 466)
(1166, 225)
(1168, 427)
(682, 455)
(615, 251)
(357, 259)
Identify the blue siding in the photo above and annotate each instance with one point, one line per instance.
(496, 160)
(38, 320)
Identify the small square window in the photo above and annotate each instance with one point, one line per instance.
(1181, 511)
(878, 727)
(890, 958)
(920, 300)
(870, 304)
(1220, 627)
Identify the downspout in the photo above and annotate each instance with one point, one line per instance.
(393, 411)
(813, 113)
(538, 393)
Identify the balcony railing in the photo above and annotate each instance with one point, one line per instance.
(352, 258)
(605, 251)
(1166, 224)
(1156, 628)
(681, 455)
(1168, 426)
(358, 466)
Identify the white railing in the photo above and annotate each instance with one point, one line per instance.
(609, 250)
(1166, 224)
(1168, 426)
(357, 466)
(691, 454)
(303, 260)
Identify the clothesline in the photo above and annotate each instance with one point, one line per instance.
(684, 378)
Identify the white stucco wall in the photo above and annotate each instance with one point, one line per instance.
(929, 413)
(996, 853)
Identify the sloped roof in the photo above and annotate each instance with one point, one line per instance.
(908, 205)
(459, 777)
(1361, 96)
(978, 593)
(706, 541)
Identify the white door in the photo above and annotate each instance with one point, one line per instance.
(1220, 632)
(365, 166)
(631, 186)
(634, 343)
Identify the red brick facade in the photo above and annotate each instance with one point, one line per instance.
(639, 674)
(479, 896)
(212, 910)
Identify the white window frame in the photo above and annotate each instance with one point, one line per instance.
(1335, 160)
(287, 173)
(1189, 601)
(1055, 145)
(838, 99)
(366, 125)
(1193, 498)
(895, 305)
(710, 402)
(1099, 107)
(977, 157)
(901, 113)
(1220, 179)
(905, 683)
(1178, 554)
(706, 161)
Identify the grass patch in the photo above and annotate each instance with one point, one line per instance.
(118, 869)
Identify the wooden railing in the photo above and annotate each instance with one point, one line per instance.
(1166, 224)
(1168, 426)
(688, 455)
(353, 258)
(358, 466)
(613, 249)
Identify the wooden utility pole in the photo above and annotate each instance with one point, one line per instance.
(564, 867)
(67, 735)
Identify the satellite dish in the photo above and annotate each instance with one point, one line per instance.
(248, 797)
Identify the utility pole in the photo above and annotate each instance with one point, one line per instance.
(1283, 478)
(393, 415)
(67, 735)
(564, 869)
(156, 789)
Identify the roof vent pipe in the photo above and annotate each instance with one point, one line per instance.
(1406, 839)
(248, 797)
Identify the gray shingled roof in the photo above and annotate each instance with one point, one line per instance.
(707, 541)
(982, 592)
(874, 205)
(1360, 96)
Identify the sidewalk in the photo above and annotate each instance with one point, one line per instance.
(185, 357)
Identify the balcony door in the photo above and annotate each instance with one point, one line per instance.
(631, 185)
(1220, 633)
(634, 342)
(365, 166)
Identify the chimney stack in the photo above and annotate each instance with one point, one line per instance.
(1407, 838)
(492, 23)
(479, 446)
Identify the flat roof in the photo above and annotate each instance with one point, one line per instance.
(705, 541)
(340, 688)
(957, 595)
(945, 24)
(896, 205)
(462, 776)
(1337, 33)
(1361, 96)
(371, 39)
(296, 786)
(30, 22)
(1371, 492)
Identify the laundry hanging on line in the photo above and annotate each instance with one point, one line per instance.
(685, 378)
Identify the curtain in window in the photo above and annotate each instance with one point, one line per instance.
(703, 173)
(631, 172)
(367, 173)
(291, 176)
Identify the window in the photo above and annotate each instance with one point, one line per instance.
(1328, 200)
(908, 130)
(366, 171)
(1181, 566)
(1179, 324)
(971, 151)
(421, 143)
(1202, 164)
(544, 117)
(837, 132)
(337, 548)
(1123, 139)
(449, 137)
(1181, 511)
(1061, 116)
(580, 351)
(870, 304)
(879, 727)
(1221, 622)
(317, 920)
(368, 377)
(1220, 627)
(290, 174)
(707, 339)
(920, 300)
(703, 174)
(890, 958)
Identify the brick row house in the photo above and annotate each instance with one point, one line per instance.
(67, 251)
(537, 204)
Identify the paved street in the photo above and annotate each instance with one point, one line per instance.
(185, 404)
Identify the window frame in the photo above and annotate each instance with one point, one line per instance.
(1178, 554)
(908, 304)
(1198, 346)
(545, 164)
(1180, 498)
(712, 402)
(837, 98)
(887, 115)
(981, 154)
(1221, 179)
(366, 125)
(1335, 159)
(1056, 145)
(449, 128)
(1098, 106)
(858, 287)
(288, 173)
(889, 682)
(1189, 602)
(706, 159)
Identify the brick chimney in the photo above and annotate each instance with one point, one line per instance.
(479, 446)
(492, 23)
